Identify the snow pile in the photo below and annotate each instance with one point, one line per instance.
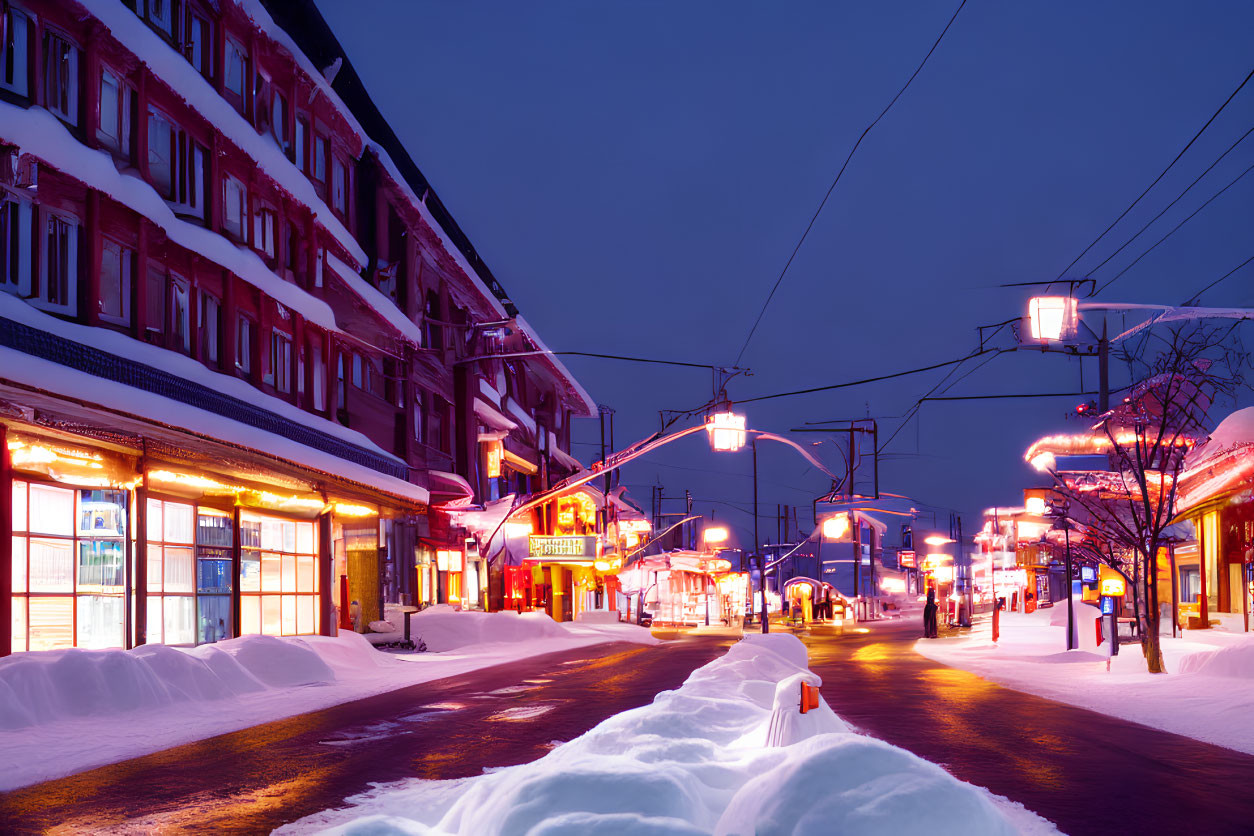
(696, 761)
(53, 685)
(1235, 661)
(443, 628)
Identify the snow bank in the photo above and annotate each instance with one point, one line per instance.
(52, 703)
(54, 685)
(696, 761)
(1206, 694)
(444, 628)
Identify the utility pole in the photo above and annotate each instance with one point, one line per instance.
(757, 540)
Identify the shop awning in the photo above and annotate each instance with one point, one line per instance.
(493, 417)
(448, 488)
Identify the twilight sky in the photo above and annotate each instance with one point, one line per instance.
(637, 173)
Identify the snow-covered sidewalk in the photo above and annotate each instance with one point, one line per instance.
(64, 711)
(1207, 694)
(727, 753)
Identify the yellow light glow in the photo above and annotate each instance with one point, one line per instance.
(448, 560)
(717, 534)
(893, 585)
(1114, 587)
(1035, 505)
(937, 540)
(191, 480)
(837, 527)
(345, 509)
(727, 431)
(516, 529)
(602, 566)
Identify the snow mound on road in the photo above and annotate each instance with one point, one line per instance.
(697, 761)
(444, 628)
(1236, 661)
(43, 687)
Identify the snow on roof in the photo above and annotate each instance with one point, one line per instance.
(580, 393)
(1234, 433)
(379, 303)
(563, 458)
(1224, 463)
(36, 131)
(491, 416)
(173, 70)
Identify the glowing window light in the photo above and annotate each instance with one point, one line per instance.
(837, 527)
(1035, 505)
(1052, 318)
(448, 560)
(727, 431)
(893, 585)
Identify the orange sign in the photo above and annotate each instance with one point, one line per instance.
(493, 468)
(1113, 587)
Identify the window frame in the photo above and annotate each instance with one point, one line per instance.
(119, 146)
(68, 283)
(16, 251)
(71, 90)
(245, 328)
(237, 229)
(126, 280)
(11, 68)
(210, 332)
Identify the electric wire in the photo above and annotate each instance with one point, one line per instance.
(1160, 176)
(1198, 295)
(832, 187)
(1173, 230)
(1176, 200)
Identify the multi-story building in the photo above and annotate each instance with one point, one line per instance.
(246, 354)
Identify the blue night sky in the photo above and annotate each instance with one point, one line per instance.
(637, 173)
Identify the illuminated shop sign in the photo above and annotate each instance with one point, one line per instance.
(561, 548)
(906, 560)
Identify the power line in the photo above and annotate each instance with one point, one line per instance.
(832, 187)
(1172, 231)
(865, 380)
(1221, 278)
(1177, 199)
(638, 359)
(1161, 175)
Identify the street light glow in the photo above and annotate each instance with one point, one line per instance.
(727, 431)
(937, 540)
(717, 534)
(1052, 318)
(837, 527)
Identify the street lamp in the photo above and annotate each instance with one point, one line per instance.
(715, 534)
(727, 431)
(836, 527)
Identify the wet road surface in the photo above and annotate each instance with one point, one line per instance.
(1086, 772)
(254, 780)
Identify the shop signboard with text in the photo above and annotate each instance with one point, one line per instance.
(561, 549)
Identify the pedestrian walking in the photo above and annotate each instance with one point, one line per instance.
(930, 630)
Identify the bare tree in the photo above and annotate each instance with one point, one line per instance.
(1146, 438)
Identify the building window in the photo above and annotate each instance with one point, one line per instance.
(278, 576)
(419, 408)
(15, 36)
(301, 146)
(278, 119)
(235, 67)
(244, 344)
(61, 76)
(15, 256)
(317, 374)
(435, 331)
(58, 279)
(264, 222)
(68, 567)
(214, 579)
(176, 164)
(209, 316)
(234, 206)
(181, 315)
(198, 42)
(319, 163)
(117, 264)
(114, 131)
(436, 429)
(280, 372)
(171, 568)
(358, 373)
(160, 15)
(341, 386)
(154, 300)
(339, 187)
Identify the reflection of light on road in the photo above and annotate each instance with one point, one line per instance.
(859, 630)
(522, 712)
(512, 689)
(877, 652)
(536, 681)
(446, 706)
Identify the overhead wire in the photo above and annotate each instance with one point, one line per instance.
(1198, 295)
(832, 187)
(1160, 176)
(1173, 230)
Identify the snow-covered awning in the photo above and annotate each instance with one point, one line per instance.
(493, 417)
(449, 489)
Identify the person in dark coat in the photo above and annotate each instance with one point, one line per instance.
(929, 616)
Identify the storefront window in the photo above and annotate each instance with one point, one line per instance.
(278, 576)
(214, 538)
(171, 573)
(68, 567)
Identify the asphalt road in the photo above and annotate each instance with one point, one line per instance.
(1086, 772)
(254, 780)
